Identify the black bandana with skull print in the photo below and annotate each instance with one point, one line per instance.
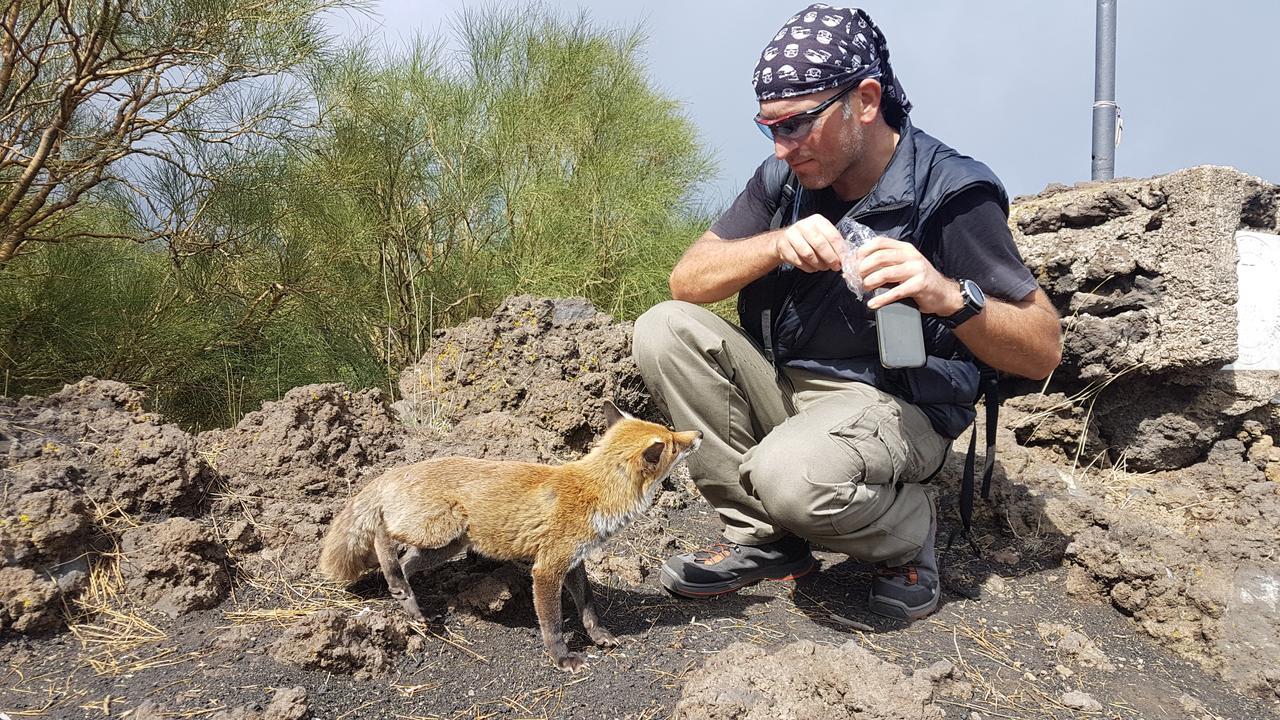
(822, 47)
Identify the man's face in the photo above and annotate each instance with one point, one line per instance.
(833, 145)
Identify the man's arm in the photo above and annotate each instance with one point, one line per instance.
(714, 268)
(1021, 337)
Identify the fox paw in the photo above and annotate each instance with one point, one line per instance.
(572, 662)
(412, 610)
(603, 637)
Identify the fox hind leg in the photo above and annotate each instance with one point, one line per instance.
(580, 589)
(385, 548)
(416, 560)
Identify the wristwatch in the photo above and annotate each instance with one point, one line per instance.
(974, 302)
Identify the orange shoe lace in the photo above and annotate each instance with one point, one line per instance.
(714, 554)
(905, 571)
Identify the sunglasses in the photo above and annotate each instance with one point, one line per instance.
(796, 126)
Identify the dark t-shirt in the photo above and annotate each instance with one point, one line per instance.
(968, 237)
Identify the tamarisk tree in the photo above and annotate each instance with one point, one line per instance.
(96, 96)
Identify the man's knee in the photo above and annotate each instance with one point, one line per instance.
(664, 328)
(771, 478)
(809, 484)
(660, 324)
(794, 486)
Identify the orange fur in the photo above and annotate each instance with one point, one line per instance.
(550, 515)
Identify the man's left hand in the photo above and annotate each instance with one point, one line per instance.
(884, 261)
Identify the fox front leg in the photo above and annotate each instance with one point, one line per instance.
(546, 602)
(580, 588)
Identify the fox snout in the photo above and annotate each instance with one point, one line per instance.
(692, 446)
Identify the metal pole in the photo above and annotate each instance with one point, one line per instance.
(1104, 93)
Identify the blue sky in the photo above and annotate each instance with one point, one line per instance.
(1009, 82)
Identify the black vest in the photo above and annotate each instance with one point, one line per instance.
(812, 321)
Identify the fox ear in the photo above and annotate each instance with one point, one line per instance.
(653, 453)
(612, 414)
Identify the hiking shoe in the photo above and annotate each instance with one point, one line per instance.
(911, 591)
(726, 567)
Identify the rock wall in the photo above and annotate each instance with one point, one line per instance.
(1160, 468)
(1143, 273)
(74, 466)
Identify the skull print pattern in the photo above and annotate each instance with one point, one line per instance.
(826, 47)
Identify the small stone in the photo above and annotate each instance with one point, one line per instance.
(1079, 700)
(1064, 671)
(939, 671)
(1138, 493)
(288, 704)
(960, 689)
(1080, 583)
(629, 569)
(1191, 705)
(994, 585)
(148, 710)
(1007, 556)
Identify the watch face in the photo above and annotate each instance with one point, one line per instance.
(975, 293)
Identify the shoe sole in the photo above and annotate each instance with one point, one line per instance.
(676, 586)
(898, 610)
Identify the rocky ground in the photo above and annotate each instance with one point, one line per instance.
(1127, 568)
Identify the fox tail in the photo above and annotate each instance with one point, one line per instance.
(348, 546)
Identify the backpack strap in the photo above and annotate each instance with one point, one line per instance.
(989, 390)
(779, 182)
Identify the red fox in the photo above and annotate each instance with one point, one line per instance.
(550, 515)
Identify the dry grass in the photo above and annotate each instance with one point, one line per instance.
(55, 694)
(115, 638)
(110, 517)
(118, 640)
(743, 629)
(1087, 397)
(541, 703)
(1019, 692)
(286, 601)
(247, 505)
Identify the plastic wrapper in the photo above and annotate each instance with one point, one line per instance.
(855, 234)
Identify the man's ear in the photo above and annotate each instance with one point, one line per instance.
(869, 95)
(612, 414)
(653, 453)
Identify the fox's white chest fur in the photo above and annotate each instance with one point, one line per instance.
(607, 525)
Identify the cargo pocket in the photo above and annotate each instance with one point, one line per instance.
(878, 460)
(874, 439)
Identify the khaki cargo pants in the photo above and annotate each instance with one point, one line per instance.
(834, 461)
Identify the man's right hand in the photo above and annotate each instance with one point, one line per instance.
(714, 268)
(812, 244)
